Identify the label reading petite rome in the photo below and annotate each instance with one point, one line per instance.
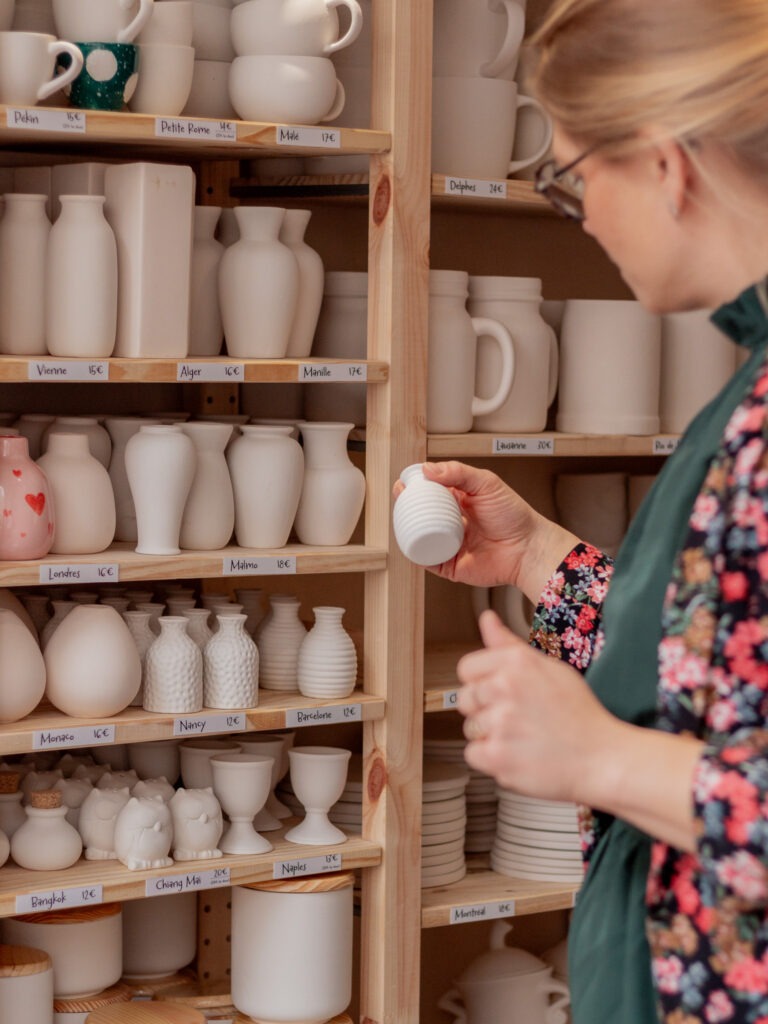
(449, 698)
(523, 446)
(323, 716)
(188, 128)
(45, 120)
(79, 736)
(322, 138)
(193, 881)
(664, 445)
(234, 722)
(232, 373)
(308, 866)
(79, 573)
(482, 912)
(344, 373)
(472, 187)
(58, 369)
(58, 899)
(245, 565)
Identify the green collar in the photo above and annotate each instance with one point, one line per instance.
(745, 320)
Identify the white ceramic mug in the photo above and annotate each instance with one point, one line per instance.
(165, 79)
(169, 22)
(209, 95)
(471, 39)
(27, 67)
(308, 28)
(473, 127)
(285, 89)
(101, 21)
(696, 361)
(211, 36)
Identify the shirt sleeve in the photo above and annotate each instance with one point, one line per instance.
(566, 624)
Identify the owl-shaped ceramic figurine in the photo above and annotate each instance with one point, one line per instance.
(197, 824)
(144, 833)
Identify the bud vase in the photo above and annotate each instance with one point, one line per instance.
(206, 334)
(209, 514)
(267, 470)
(279, 643)
(24, 233)
(327, 663)
(27, 513)
(173, 675)
(230, 666)
(160, 464)
(311, 281)
(138, 625)
(121, 429)
(60, 610)
(197, 625)
(334, 489)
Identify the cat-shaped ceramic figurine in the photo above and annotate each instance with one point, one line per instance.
(154, 787)
(143, 833)
(98, 814)
(197, 824)
(117, 780)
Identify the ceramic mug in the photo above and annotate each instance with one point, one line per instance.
(90, 21)
(108, 76)
(471, 39)
(696, 361)
(165, 78)
(473, 127)
(169, 22)
(285, 89)
(209, 95)
(300, 27)
(28, 67)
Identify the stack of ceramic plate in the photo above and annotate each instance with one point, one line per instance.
(481, 794)
(444, 820)
(536, 839)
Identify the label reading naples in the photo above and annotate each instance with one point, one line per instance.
(232, 373)
(79, 573)
(482, 912)
(189, 128)
(523, 446)
(473, 188)
(322, 138)
(344, 373)
(323, 716)
(79, 736)
(192, 881)
(76, 369)
(58, 899)
(246, 565)
(35, 119)
(205, 724)
(308, 866)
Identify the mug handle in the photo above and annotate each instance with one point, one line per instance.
(512, 41)
(338, 102)
(484, 325)
(518, 165)
(510, 601)
(447, 1002)
(129, 33)
(355, 26)
(554, 367)
(59, 81)
(555, 1013)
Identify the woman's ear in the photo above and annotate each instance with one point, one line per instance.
(673, 172)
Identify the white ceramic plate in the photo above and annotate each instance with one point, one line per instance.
(456, 836)
(537, 858)
(511, 871)
(436, 808)
(435, 828)
(538, 839)
(430, 879)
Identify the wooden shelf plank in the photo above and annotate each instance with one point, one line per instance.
(440, 905)
(511, 195)
(477, 445)
(440, 682)
(135, 725)
(118, 883)
(132, 566)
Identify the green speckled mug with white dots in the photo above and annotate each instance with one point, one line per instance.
(108, 78)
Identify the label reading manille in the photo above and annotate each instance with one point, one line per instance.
(307, 866)
(78, 736)
(39, 120)
(109, 573)
(246, 565)
(58, 369)
(297, 717)
(482, 912)
(192, 881)
(59, 899)
(344, 373)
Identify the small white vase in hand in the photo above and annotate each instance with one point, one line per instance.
(318, 776)
(241, 782)
(426, 519)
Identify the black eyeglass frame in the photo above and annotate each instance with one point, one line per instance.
(548, 181)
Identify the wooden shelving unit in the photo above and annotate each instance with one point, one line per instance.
(440, 682)
(476, 445)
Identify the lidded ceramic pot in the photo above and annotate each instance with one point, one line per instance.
(311, 918)
(76, 1011)
(426, 519)
(159, 935)
(26, 985)
(46, 841)
(22, 669)
(25, 501)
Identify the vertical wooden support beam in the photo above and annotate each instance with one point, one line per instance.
(394, 618)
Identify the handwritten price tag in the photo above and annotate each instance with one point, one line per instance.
(79, 573)
(308, 866)
(194, 881)
(474, 188)
(247, 566)
(189, 128)
(79, 736)
(450, 698)
(664, 445)
(344, 373)
(58, 369)
(523, 446)
(482, 912)
(58, 899)
(323, 716)
(315, 138)
(206, 724)
(227, 373)
(36, 119)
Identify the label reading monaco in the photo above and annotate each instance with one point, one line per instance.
(192, 881)
(323, 716)
(58, 899)
(78, 736)
(188, 128)
(308, 866)
(319, 138)
(39, 120)
(471, 187)
(523, 446)
(234, 722)
(227, 373)
(482, 912)
(344, 373)
(58, 369)
(79, 573)
(245, 565)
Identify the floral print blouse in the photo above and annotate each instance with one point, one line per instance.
(707, 913)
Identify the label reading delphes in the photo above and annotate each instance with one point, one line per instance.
(192, 881)
(322, 138)
(450, 698)
(338, 373)
(245, 565)
(307, 866)
(523, 446)
(205, 724)
(59, 369)
(474, 187)
(482, 911)
(108, 573)
(59, 899)
(664, 445)
(45, 120)
(189, 128)
(298, 717)
(218, 373)
(79, 736)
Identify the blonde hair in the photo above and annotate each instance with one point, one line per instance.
(696, 68)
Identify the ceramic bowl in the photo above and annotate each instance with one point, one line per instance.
(209, 95)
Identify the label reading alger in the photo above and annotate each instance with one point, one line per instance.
(319, 138)
(337, 373)
(297, 717)
(232, 373)
(248, 565)
(36, 119)
(482, 911)
(195, 131)
(664, 445)
(307, 866)
(473, 188)
(523, 446)
(79, 736)
(190, 881)
(205, 724)
(59, 899)
(108, 573)
(58, 369)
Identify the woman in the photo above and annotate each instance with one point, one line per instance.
(652, 706)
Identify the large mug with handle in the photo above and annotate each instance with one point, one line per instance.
(27, 67)
(101, 21)
(308, 28)
(471, 39)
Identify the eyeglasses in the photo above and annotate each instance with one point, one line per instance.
(562, 188)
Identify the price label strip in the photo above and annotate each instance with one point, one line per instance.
(297, 717)
(523, 446)
(314, 138)
(79, 370)
(665, 444)
(206, 724)
(217, 373)
(192, 881)
(339, 373)
(59, 899)
(482, 911)
(194, 130)
(244, 565)
(37, 119)
(80, 573)
(307, 866)
(474, 188)
(79, 736)
(450, 699)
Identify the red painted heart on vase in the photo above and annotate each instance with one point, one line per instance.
(16, 472)
(36, 502)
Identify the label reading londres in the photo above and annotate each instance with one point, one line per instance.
(664, 445)
(79, 736)
(217, 373)
(195, 131)
(344, 373)
(191, 881)
(58, 369)
(246, 565)
(109, 573)
(523, 446)
(35, 119)
(205, 724)
(307, 866)
(59, 899)
(322, 138)
(473, 188)
(298, 717)
(482, 912)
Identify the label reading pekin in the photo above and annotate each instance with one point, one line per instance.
(59, 899)
(323, 716)
(473, 188)
(58, 369)
(79, 573)
(234, 722)
(308, 866)
(482, 912)
(192, 881)
(245, 565)
(450, 698)
(344, 373)
(35, 119)
(523, 446)
(79, 736)
(189, 128)
(232, 373)
(664, 445)
(322, 138)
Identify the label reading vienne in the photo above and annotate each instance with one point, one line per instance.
(482, 912)
(344, 373)
(78, 736)
(323, 716)
(76, 369)
(523, 446)
(245, 565)
(35, 119)
(80, 573)
(473, 188)
(192, 881)
(217, 373)
(322, 138)
(188, 128)
(58, 899)
(308, 866)
(205, 724)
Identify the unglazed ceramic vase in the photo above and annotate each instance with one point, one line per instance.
(24, 231)
(279, 643)
(25, 499)
(209, 513)
(195, 759)
(179, 605)
(173, 670)
(206, 334)
(121, 429)
(241, 782)
(26, 984)
(311, 280)
(73, 793)
(98, 816)
(39, 608)
(427, 519)
(252, 601)
(197, 824)
(60, 610)
(318, 777)
(99, 441)
(159, 935)
(81, 294)
(197, 625)
(144, 834)
(594, 507)
(267, 469)
(160, 463)
(327, 664)
(270, 746)
(22, 669)
(155, 610)
(83, 498)
(138, 625)
(696, 361)
(46, 841)
(32, 426)
(334, 489)
(258, 286)
(230, 666)
(92, 664)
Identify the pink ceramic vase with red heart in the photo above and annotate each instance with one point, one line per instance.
(26, 515)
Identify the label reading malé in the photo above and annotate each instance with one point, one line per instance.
(79, 736)
(322, 138)
(232, 373)
(338, 373)
(307, 866)
(59, 899)
(482, 911)
(189, 128)
(450, 697)
(109, 573)
(205, 724)
(246, 565)
(298, 717)
(59, 369)
(474, 187)
(192, 881)
(664, 445)
(36, 119)
(523, 446)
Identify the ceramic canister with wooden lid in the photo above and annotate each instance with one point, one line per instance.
(26, 985)
(292, 949)
(75, 1011)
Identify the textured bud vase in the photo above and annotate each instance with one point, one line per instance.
(22, 669)
(206, 334)
(426, 519)
(209, 514)
(81, 281)
(311, 281)
(327, 665)
(279, 643)
(173, 670)
(24, 232)
(334, 489)
(121, 429)
(231, 666)
(160, 463)
(26, 528)
(82, 496)
(267, 470)
(143, 637)
(258, 286)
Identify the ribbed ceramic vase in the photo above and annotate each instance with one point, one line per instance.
(206, 334)
(252, 601)
(267, 470)
(160, 463)
(279, 643)
(26, 528)
(230, 666)
(209, 513)
(24, 233)
(121, 429)
(427, 519)
(173, 670)
(311, 280)
(22, 669)
(334, 489)
(327, 663)
(138, 624)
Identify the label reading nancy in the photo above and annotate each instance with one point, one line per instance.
(232, 373)
(344, 373)
(58, 899)
(307, 866)
(665, 444)
(205, 724)
(523, 446)
(245, 565)
(323, 138)
(323, 716)
(482, 912)
(189, 128)
(109, 573)
(450, 697)
(39, 120)
(59, 369)
(192, 881)
(79, 736)
(472, 187)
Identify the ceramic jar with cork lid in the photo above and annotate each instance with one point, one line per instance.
(46, 841)
(76, 1011)
(26, 985)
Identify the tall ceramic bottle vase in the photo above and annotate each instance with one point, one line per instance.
(173, 670)
(209, 514)
(143, 637)
(60, 610)
(206, 333)
(334, 489)
(311, 281)
(81, 293)
(231, 667)
(197, 625)
(267, 470)
(258, 286)
(121, 430)
(279, 643)
(27, 523)
(327, 665)
(160, 464)
(82, 496)
(24, 233)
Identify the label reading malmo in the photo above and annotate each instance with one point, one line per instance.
(233, 373)
(192, 881)
(297, 717)
(35, 119)
(665, 444)
(338, 373)
(475, 187)
(321, 138)
(189, 128)
(482, 911)
(79, 736)
(307, 866)
(245, 565)
(523, 446)
(59, 369)
(59, 899)
(109, 573)
(205, 724)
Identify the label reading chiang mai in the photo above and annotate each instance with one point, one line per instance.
(109, 573)
(58, 899)
(307, 866)
(59, 369)
(79, 736)
(482, 911)
(205, 724)
(191, 881)
(298, 717)
(473, 188)
(35, 119)
(322, 138)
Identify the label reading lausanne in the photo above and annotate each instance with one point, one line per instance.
(523, 446)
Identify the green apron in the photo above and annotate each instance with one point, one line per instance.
(609, 958)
